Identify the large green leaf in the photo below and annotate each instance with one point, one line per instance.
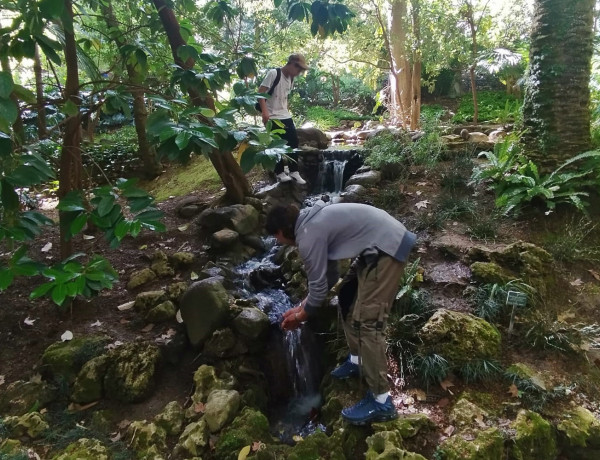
(6, 85)
(8, 110)
(51, 9)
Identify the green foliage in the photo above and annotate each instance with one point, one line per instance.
(326, 18)
(456, 176)
(389, 152)
(576, 242)
(432, 111)
(431, 369)
(18, 265)
(493, 106)
(71, 278)
(479, 370)
(389, 198)
(546, 333)
(484, 225)
(429, 148)
(325, 119)
(534, 393)
(489, 300)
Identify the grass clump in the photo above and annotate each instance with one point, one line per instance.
(576, 242)
(484, 225)
(492, 105)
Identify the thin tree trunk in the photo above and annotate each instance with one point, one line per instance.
(151, 164)
(399, 61)
(231, 174)
(70, 157)
(556, 111)
(417, 67)
(39, 93)
(470, 16)
(335, 89)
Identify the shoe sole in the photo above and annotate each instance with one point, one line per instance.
(345, 377)
(376, 419)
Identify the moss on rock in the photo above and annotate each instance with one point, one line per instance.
(130, 373)
(490, 272)
(317, 446)
(464, 413)
(143, 436)
(176, 290)
(220, 409)
(89, 385)
(32, 425)
(406, 425)
(487, 445)
(19, 397)
(194, 439)
(141, 277)
(145, 301)
(580, 428)
(164, 311)
(387, 445)
(534, 438)
(248, 427)
(171, 418)
(85, 449)
(160, 265)
(63, 360)
(205, 381)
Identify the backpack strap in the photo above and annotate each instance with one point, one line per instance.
(275, 82)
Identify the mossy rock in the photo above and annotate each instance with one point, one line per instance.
(487, 445)
(164, 311)
(182, 259)
(32, 425)
(145, 301)
(387, 445)
(243, 218)
(141, 277)
(580, 428)
(193, 440)
(21, 397)
(220, 343)
(221, 407)
(176, 290)
(248, 427)
(89, 384)
(251, 323)
(459, 337)
(130, 373)
(63, 360)
(13, 449)
(205, 381)
(534, 438)
(524, 372)
(85, 449)
(102, 421)
(406, 425)
(464, 413)
(160, 265)
(171, 418)
(317, 446)
(142, 436)
(491, 273)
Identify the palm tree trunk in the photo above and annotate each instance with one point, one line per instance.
(556, 110)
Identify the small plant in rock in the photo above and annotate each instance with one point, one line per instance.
(479, 370)
(576, 242)
(534, 393)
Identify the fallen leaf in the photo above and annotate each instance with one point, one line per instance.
(36, 378)
(445, 384)
(199, 408)
(480, 422)
(421, 184)
(244, 453)
(422, 204)
(194, 276)
(297, 438)
(422, 250)
(47, 247)
(67, 335)
(89, 237)
(124, 321)
(449, 430)
(29, 321)
(577, 282)
(124, 424)
(74, 407)
(595, 274)
(409, 400)
(43, 411)
(115, 344)
(419, 192)
(257, 445)
(2, 380)
(126, 306)
(513, 391)
(443, 402)
(148, 328)
(115, 436)
(96, 324)
(183, 228)
(178, 317)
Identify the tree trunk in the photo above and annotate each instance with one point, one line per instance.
(556, 110)
(18, 127)
(470, 16)
(231, 174)
(151, 165)
(417, 67)
(400, 78)
(335, 89)
(70, 157)
(39, 93)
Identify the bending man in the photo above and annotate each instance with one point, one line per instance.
(325, 234)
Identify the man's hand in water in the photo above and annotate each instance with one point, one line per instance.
(293, 318)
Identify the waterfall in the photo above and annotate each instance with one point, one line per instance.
(331, 176)
(338, 175)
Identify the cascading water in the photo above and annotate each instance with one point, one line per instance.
(338, 174)
(331, 169)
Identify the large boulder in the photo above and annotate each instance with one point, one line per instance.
(534, 438)
(221, 408)
(312, 137)
(205, 381)
(243, 218)
(220, 344)
(580, 428)
(366, 179)
(85, 449)
(484, 445)
(204, 309)
(89, 385)
(459, 337)
(171, 418)
(19, 397)
(130, 373)
(225, 238)
(63, 360)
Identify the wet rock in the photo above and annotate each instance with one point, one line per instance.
(145, 301)
(312, 137)
(534, 438)
(254, 242)
(85, 449)
(256, 203)
(164, 311)
(353, 193)
(130, 373)
(459, 337)
(204, 308)
(454, 142)
(194, 439)
(32, 425)
(221, 407)
(248, 427)
(65, 359)
(146, 437)
(160, 265)
(140, 277)
(484, 445)
(406, 425)
(224, 238)
(465, 413)
(182, 259)
(243, 218)
(387, 445)
(88, 386)
(251, 323)
(19, 397)
(171, 418)
(176, 290)
(367, 179)
(490, 273)
(265, 277)
(220, 343)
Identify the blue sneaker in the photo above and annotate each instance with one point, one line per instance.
(368, 410)
(346, 370)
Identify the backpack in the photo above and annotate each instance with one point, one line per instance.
(271, 89)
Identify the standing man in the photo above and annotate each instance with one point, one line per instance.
(325, 234)
(276, 108)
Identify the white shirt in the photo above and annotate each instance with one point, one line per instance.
(277, 104)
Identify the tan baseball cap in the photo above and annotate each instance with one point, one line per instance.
(298, 59)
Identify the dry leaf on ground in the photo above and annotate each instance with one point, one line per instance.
(445, 384)
(595, 274)
(513, 391)
(422, 204)
(449, 430)
(74, 407)
(47, 247)
(577, 282)
(443, 402)
(29, 321)
(126, 306)
(148, 328)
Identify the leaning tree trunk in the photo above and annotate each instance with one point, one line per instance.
(39, 94)
(70, 157)
(151, 165)
(231, 174)
(556, 111)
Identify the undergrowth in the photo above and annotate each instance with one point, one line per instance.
(576, 242)
(494, 106)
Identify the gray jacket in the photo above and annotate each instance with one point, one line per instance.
(330, 232)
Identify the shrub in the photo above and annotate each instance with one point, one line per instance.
(429, 148)
(389, 152)
(456, 176)
(492, 105)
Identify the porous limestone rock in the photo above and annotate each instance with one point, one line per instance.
(141, 277)
(221, 407)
